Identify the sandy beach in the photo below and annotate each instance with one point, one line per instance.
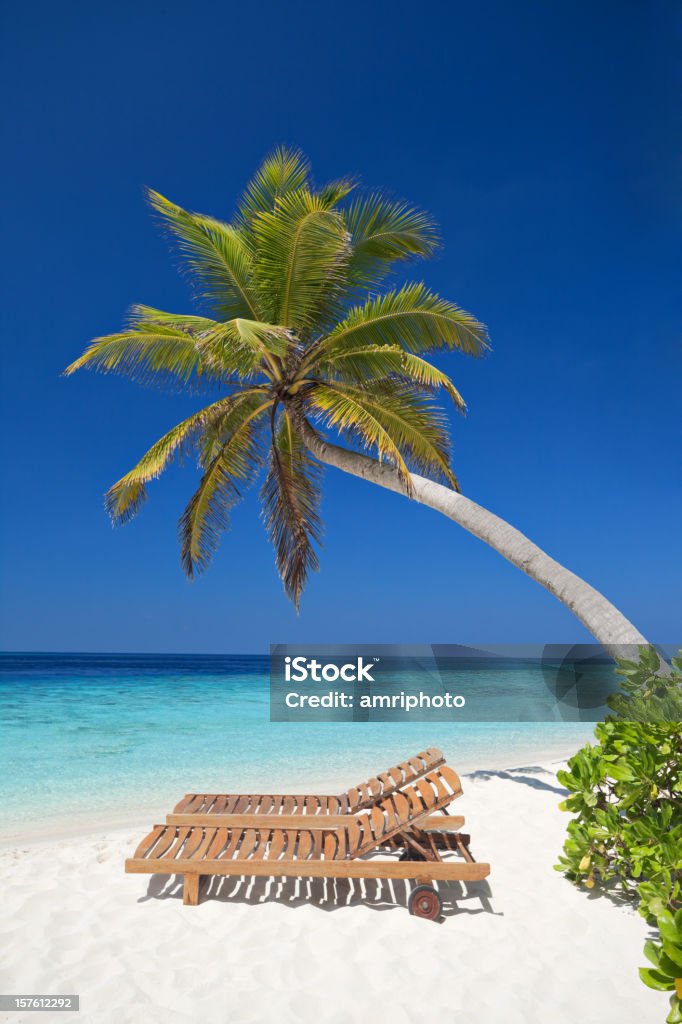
(524, 947)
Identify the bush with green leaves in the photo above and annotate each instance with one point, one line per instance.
(666, 957)
(646, 695)
(626, 793)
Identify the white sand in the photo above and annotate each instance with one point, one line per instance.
(525, 947)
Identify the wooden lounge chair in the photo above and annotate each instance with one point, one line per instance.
(286, 811)
(349, 851)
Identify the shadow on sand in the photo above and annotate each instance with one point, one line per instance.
(324, 893)
(612, 892)
(525, 775)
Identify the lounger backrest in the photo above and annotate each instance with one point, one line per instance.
(368, 794)
(398, 811)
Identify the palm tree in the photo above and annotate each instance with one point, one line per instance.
(301, 342)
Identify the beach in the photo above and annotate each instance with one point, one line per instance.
(523, 947)
(321, 555)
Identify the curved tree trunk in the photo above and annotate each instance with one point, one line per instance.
(606, 624)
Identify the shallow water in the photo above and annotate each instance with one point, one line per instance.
(106, 737)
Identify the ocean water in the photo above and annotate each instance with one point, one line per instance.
(90, 741)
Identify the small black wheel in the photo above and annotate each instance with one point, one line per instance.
(425, 902)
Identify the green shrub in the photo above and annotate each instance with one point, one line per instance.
(626, 793)
(646, 695)
(666, 956)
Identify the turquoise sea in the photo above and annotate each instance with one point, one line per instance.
(96, 740)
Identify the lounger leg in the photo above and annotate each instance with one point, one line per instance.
(190, 890)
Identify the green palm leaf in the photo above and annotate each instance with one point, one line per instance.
(234, 465)
(335, 191)
(384, 232)
(353, 415)
(412, 317)
(291, 499)
(124, 498)
(392, 417)
(147, 354)
(245, 347)
(218, 257)
(283, 171)
(300, 262)
(378, 361)
(422, 372)
(140, 315)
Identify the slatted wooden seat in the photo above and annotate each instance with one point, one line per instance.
(349, 851)
(285, 810)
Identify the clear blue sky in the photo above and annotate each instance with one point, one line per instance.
(543, 137)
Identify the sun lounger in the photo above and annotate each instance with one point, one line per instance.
(286, 811)
(350, 851)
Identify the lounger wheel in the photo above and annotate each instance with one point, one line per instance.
(425, 902)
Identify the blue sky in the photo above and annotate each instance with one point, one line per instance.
(545, 140)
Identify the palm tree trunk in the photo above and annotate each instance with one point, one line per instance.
(606, 624)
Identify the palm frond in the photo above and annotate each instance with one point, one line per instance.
(124, 498)
(412, 317)
(148, 353)
(394, 417)
(335, 191)
(217, 254)
(233, 466)
(140, 315)
(380, 361)
(291, 500)
(245, 347)
(352, 414)
(282, 171)
(423, 372)
(301, 255)
(384, 232)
